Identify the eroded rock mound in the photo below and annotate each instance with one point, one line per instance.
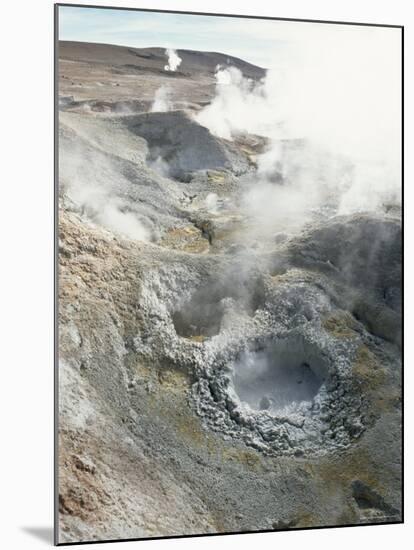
(216, 374)
(184, 145)
(364, 253)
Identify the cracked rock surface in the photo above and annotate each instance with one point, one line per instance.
(210, 380)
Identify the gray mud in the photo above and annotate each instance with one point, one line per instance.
(211, 380)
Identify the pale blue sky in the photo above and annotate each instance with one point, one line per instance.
(260, 41)
(253, 40)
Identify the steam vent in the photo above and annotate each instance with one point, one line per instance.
(229, 308)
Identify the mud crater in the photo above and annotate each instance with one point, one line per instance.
(279, 376)
(201, 315)
(283, 395)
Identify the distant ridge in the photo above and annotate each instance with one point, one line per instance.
(153, 58)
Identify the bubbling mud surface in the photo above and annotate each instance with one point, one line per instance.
(230, 349)
(279, 377)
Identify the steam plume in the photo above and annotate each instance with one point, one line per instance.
(174, 60)
(162, 102)
(330, 107)
(90, 182)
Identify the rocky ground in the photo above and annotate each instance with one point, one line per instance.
(212, 378)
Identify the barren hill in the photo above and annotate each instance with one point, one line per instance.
(153, 59)
(229, 352)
